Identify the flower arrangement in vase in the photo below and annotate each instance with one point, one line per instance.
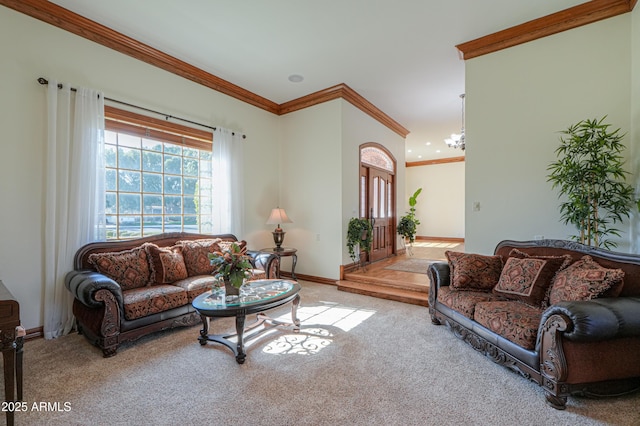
(233, 267)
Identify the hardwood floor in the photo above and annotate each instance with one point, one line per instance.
(378, 280)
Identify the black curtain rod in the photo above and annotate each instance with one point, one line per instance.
(42, 80)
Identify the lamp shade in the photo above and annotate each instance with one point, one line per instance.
(277, 217)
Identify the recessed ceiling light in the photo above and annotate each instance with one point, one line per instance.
(296, 78)
(438, 151)
(419, 156)
(428, 143)
(409, 151)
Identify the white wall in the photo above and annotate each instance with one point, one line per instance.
(634, 164)
(30, 49)
(319, 174)
(311, 175)
(517, 100)
(440, 205)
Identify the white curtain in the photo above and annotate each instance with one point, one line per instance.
(74, 204)
(228, 196)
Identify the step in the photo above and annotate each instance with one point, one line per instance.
(395, 283)
(385, 292)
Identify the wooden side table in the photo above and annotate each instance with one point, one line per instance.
(11, 346)
(284, 252)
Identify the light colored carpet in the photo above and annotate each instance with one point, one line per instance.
(412, 264)
(357, 360)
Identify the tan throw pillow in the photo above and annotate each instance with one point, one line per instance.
(167, 264)
(128, 268)
(527, 278)
(196, 255)
(586, 280)
(473, 271)
(226, 245)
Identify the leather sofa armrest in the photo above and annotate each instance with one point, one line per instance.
(598, 319)
(84, 284)
(439, 274)
(266, 261)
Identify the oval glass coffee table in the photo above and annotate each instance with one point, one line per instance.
(255, 298)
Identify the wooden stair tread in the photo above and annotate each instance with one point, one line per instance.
(386, 292)
(395, 283)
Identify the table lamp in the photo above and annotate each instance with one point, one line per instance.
(277, 217)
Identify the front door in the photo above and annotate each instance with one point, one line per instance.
(377, 198)
(380, 196)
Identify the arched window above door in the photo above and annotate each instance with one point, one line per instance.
(376, 157)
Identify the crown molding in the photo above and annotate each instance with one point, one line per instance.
(348, 94)
(434, 162)
(582, 14)
(69, 21)
(63, 18)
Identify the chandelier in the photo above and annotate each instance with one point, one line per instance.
(457, 140)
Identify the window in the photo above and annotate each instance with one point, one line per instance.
(156, 180)
(376, 157)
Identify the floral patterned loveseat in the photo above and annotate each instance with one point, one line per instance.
(126, 289)
(562, 314)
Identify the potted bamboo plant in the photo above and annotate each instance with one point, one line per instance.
(590, 177)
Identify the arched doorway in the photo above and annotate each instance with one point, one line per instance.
(377, 197)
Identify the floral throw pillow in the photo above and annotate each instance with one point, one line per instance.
(196, 255)
(128, 268)
(167, 264)
(473, 271)
(586, 280)
(527, 279)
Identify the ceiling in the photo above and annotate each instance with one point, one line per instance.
(400, 55)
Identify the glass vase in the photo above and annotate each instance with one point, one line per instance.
(231, 293)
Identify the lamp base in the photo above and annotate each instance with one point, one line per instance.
(278, 238)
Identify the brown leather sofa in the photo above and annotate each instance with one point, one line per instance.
(147, 284)
(583, 347)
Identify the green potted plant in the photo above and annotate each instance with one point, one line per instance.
(233, 266)
(589, 174)
(408, 224)
(359, 234)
